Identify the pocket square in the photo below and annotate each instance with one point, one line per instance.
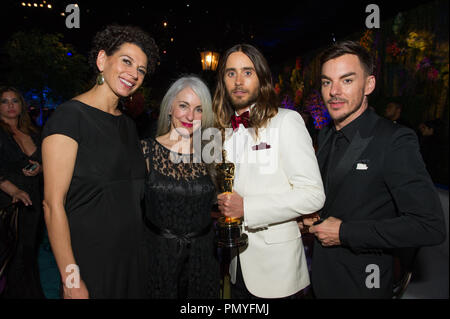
(261, 146)
(362, 166)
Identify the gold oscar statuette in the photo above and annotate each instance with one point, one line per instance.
(230, 234)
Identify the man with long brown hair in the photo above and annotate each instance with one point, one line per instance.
(277, 178)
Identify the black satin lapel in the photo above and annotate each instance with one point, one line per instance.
(347, 164)
(320, 155)
(325, 139)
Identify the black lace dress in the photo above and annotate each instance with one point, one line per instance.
(180, 237)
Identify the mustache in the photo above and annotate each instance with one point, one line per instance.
(239, 89)
(336, 100)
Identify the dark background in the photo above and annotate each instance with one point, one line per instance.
(281, 29)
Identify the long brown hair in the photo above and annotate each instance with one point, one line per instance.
(267, 102)
(24, 123)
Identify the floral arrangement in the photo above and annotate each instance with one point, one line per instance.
(287, 103)
(278, 88)
(370, 41)
(419, 56)
(433, 74)
(423, 64)
(316, 107)
(367, 40)
(299, 93)
(427, 68)
(419, 40)
(297, 83)
(394, 50)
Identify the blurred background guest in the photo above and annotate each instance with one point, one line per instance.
(20, 158)
(179, 196)
(432, 147)
(145, 124)
(393, 112)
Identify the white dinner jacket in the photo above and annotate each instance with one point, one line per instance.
(279, 180)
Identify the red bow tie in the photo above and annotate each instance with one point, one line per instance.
(242, 119)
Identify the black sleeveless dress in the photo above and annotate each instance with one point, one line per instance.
(180, 236)
(103, 203)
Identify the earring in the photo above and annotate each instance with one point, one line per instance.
(169, 118)
(100, 78)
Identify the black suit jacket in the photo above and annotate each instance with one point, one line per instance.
(385, 198)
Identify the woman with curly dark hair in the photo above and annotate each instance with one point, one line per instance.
(94, 174)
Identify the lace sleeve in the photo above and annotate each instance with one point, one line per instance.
(145, 145)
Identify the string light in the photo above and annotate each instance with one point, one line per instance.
(36, 5)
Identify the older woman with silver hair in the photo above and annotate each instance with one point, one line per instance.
(179, 196)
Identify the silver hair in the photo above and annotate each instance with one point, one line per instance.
(200, 89)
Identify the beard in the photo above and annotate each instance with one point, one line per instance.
(240, 103)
